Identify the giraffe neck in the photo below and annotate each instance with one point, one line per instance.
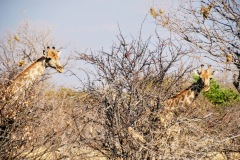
(196, 87)
(185, 97)
(27, 77)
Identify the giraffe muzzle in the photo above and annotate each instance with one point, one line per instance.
(206, 88)
(59, 69)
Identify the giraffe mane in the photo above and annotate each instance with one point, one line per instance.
(180, 93)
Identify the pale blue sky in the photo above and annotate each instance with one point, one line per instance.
(83, 23)
(80, 23)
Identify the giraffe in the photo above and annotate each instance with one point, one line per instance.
(205, 11)
(186, 97)
(10, 98)
(27, 77)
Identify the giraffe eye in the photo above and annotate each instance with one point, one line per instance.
(48, 58)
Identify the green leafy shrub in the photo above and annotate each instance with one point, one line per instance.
(218, 95)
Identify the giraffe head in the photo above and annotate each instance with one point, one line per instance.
(52, 59)
(211, 5)
(205, 77)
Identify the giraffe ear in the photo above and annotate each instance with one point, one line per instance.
(44, 52)
(59, 52)
(197, 72)
(213, 72)
(235, 78)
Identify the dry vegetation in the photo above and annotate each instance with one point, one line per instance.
(118, 113)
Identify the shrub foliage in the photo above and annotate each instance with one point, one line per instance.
(218, 95)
